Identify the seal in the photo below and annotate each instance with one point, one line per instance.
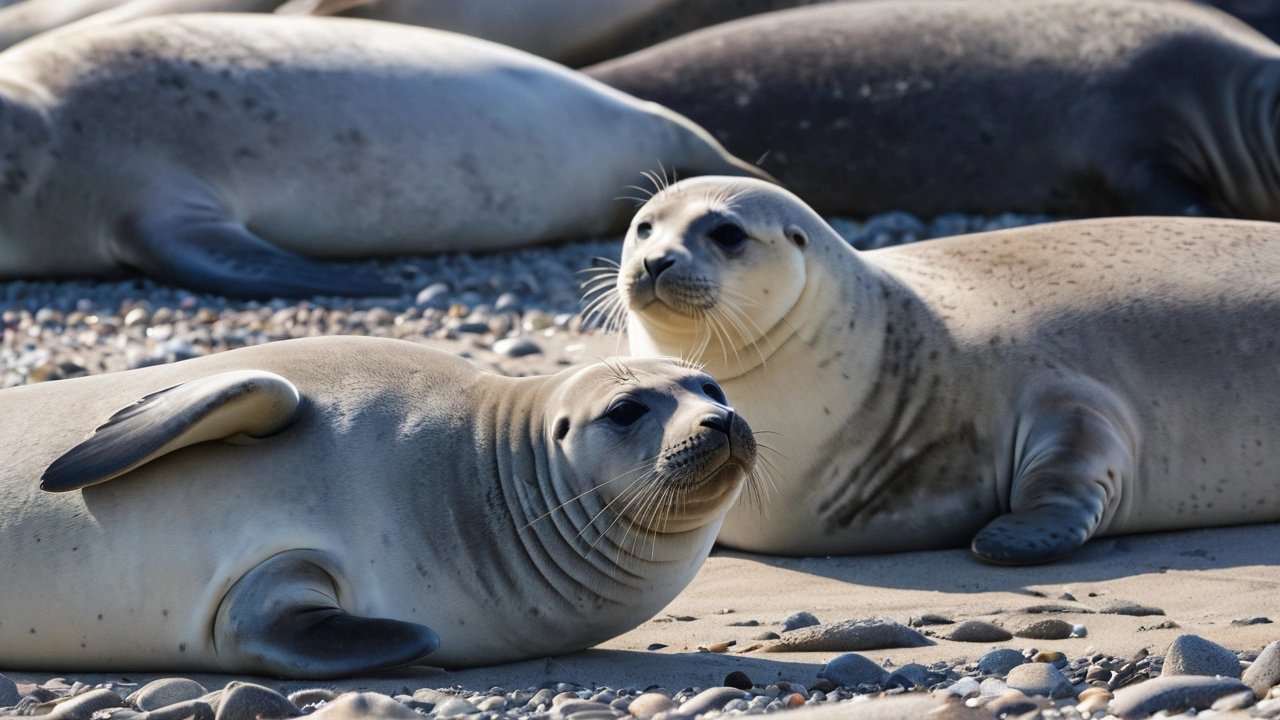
(1127, 107)
(354, 138)
(1020, 391)
(332, 506)
(33, 17)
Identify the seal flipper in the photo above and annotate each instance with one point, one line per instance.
(282, 618)
(204, 251)
(247, 402)
(1068, 476)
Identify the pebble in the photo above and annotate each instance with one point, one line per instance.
(738, 679)
(1000, 661)
(9, 695)
(1048, 629)
(166, 691)
(992, 687)
(798, 620)
(516, 347)
(1172, 694)
(364, 705)
(1057, 659)
(1264, 673)
(965, 686)
(909, 676)
(247, 701)
(1040, 679)
(978, 631)
(189, 710)
(851, 669)
(650, 704)
(1012, 702)
(1193, 655)
(712, 699)
(1252, 621)
(1124, 607)
(314, 696)
(585, 710)
(1093, 700)
(84, 706)
(850, 636)
(930, 619)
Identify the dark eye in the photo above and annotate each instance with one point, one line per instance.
(728, 236)
(714, 392)
(625, 413)
(643, 230)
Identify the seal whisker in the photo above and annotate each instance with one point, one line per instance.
(591, 523)
(589, 490)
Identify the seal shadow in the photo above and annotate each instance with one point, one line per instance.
(1101, 559)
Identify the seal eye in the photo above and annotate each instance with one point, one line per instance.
(643, 230)
(625, 413)
(714, 392)
(728, 236)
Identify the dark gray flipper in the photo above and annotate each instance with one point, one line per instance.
(1069, 474)
(199, 248)
(247, 402)
(282, 618)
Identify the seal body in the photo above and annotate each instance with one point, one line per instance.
(373, 499)
(1097, 107)
(267, 139)
(1024, 389)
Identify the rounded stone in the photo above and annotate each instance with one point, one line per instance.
(739, 679)
(1193, 655)
(516, 347)
(1040, 679)
(1000, 661)
(351, 706)
(798, 620)
(8, 692)
(189, 710)
(1172, 694)
(851, 669)
(313, 696)
(246, 701)
(711, 699)
(650, 704)
(166, 691)
(977, 631)
(850, 636)
(1125, 607)
(1047, 629)
(453, 707)
(909, 676)
(84, 706)
(1261, 676)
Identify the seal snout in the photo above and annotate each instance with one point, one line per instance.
(655, 265)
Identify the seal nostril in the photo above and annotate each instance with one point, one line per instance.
(655, 266)
(716, 422)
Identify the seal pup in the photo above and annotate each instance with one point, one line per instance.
(270, 138)
(1065, 107)
(1020, 391)
(372, 499)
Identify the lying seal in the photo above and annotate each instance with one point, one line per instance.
(389, 498)
(1124, 107)
(267, 138)
(38, 16)
(1024, 389)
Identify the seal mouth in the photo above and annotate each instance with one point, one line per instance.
(704, 461)
(689, 296)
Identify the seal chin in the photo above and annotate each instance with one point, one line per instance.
(706, 471)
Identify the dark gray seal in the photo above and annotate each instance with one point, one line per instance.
(1066, 107)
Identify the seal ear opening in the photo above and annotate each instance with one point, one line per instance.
(797, 236)
(561, 430)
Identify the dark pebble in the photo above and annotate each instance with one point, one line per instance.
(189, 710)
(850, 636)
(246, 701)
(795, 621)
(1050, 629)
(1000, 661)
(909, 676)
(851, 670)
(1193, 655)
(1172, 694)
(9, 695)
(979, 632)
(84, 706)
(738, 679)
(1124, 607)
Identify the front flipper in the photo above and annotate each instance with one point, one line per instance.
(195, 246)
(223, 406)
(1068, 475)
(282, 618)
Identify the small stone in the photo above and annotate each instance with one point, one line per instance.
(798, 620)
(1193, 655)
(1264, 673)
(1172, 695)
(1055, 608)
(1011, 703)
(711, 699)
(850, 636)
(435, 295)
(314, 696)
(1000, 661)
(564, 697)
(516, 347)
(655, 646)
(1093, 700)
(1252, 621)
(1040, 679)
(979, 632)
(9, 695)
(84, 706)
(246, 701)
(1052, 657)
(508, 303)
(351, 706)
(542, 697)
(992, 687)
(851, 669)
(738, 679)
(454, 707)
(1049, 629)
(909, 676)
(166, 691)
(586, 710)
(650, 704)
(1234, 701)
(721, 647)
(965, 686)
(189, 710)
(929, 619)
(136, 317)
(1067, 596)
(767, 635)
(1124, 607)
(745, 623)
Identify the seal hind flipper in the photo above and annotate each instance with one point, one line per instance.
(207, 252)
(282, 618)
(1069, 475)
(247, 402)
